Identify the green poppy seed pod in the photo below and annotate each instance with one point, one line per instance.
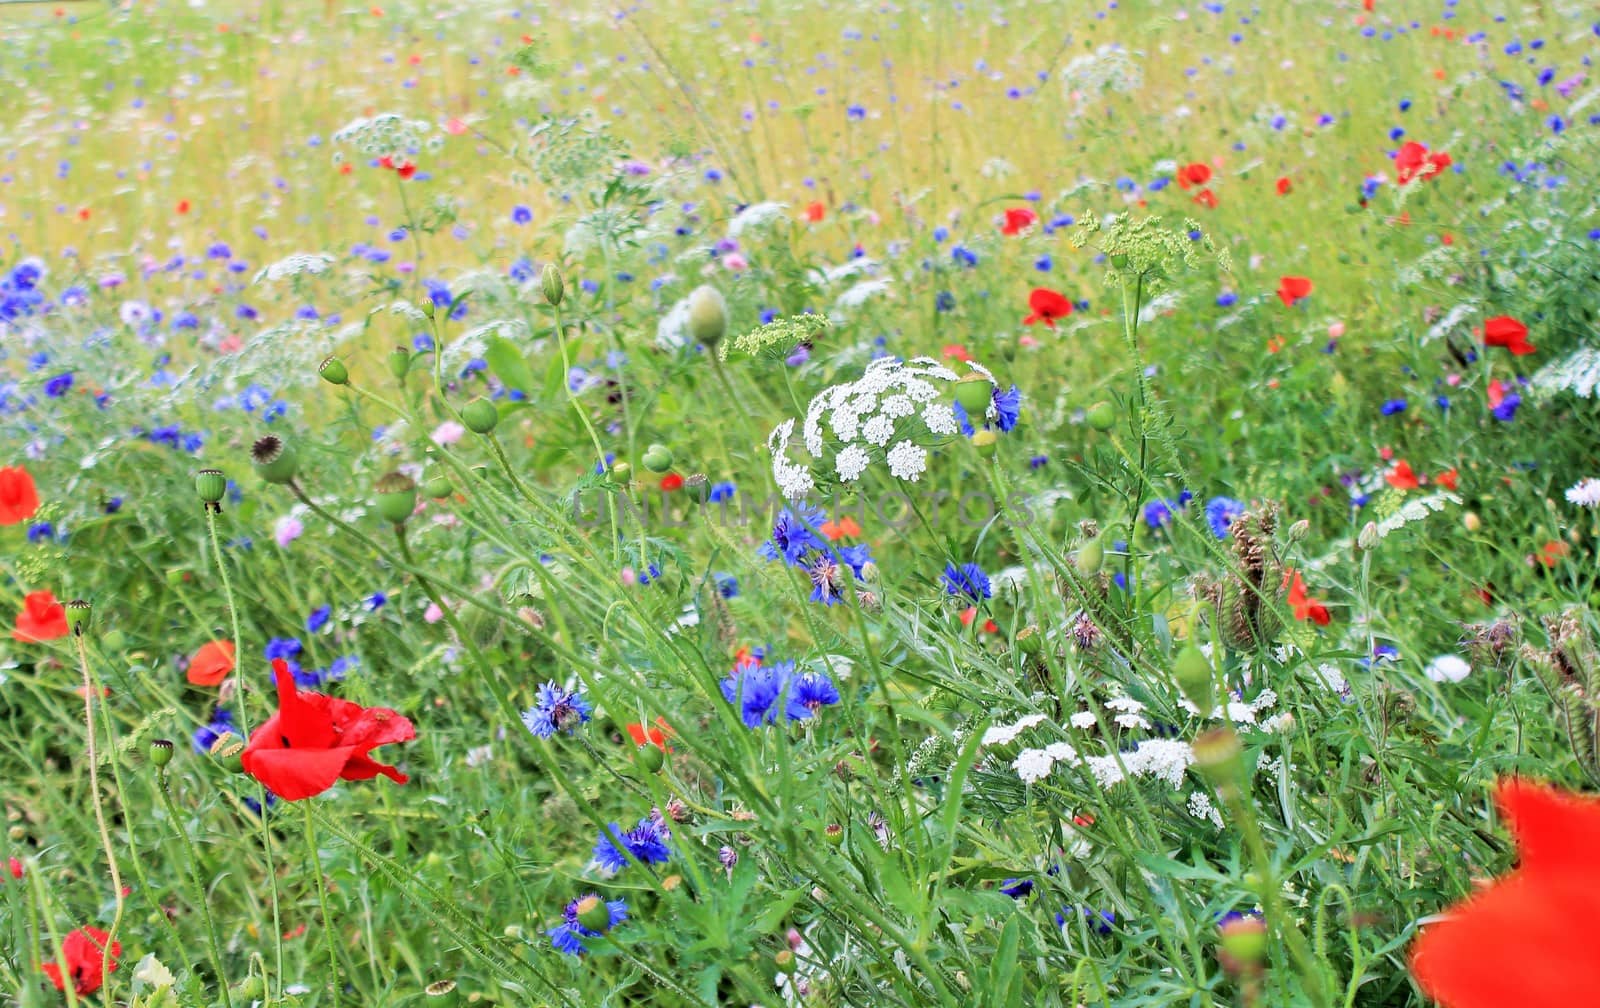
(984, 441)
(399, 361)
(480, 416)
(226, 749)
(113, 641)
(437, 487)
(1101, 416)
(78, 611)
(834, 834)
(1196, 678)
(651, 758)
(621, 473)
(160, 752)
(975, 392)
(708, 315)
(784, 960)
(1119, 261)
(211, 485)
(552, 284)
(333, 371)
(1090, 556)
(657, 458)
(1030, 641)
(593, 913)
(275, 459)
(397, 497)
(1219, 757)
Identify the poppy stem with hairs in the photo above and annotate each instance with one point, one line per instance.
(198, 895)
(244, 727)
(99, 805)
(322, 902)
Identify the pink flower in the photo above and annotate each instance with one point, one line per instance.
(1335, 330)
(455, 127)
(735, 262)
(433, 613)
(230, 344)
(287, 530)
(448, 433)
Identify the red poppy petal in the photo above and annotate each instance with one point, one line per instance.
(293, 774)
(1554, 831)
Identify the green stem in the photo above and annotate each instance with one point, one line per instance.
(198, 897)
(322, 902)
(89, 687)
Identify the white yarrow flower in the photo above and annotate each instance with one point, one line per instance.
(1448, 668)
(1032, 765)
(1003, 734)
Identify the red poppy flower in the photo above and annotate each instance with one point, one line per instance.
(1206, 198)
(1196, 173)
(1401, 477)
(815, 211)
(1303, 605)
(1526, 939)
(19, 498)
(85, 951)
(211, 664)
(16, 868)
(655, 735)
(1495, 393)
(1047, 305)
(1415, 161)
(406, 170)
(386, 162)
(1293, 288)
(314, 740)
(845, 528)
(671, 482)
(1448, 479)
(1505, 331)
(183, 206)
(1018, 220)
(956, 351)
(42, 618)
(1284, 186)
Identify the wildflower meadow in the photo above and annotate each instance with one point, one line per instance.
(1062, 503)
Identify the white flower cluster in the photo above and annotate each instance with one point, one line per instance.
(1585, 493)
(379, 135)
(1448, 668)
(301, 263)
(890, 412)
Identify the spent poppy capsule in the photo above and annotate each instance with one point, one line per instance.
(437, 487)
(975, 392)
(985, 441)
(397, 497)
(78, 616)
(593, 913)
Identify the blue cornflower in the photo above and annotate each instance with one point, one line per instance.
(521, 215)
(318, 618)
(57, 387)
(755, 690)
(1016, 888)
(1393, 406)
(556, 709)
(282, 647)
(856, 557)
(1220, 514)
(727, 584)
(824, 573)
(207, 734)
(1008, 405)
(568, 936)
(40, 532)
(647, 843)
(809, 692)
(1507, 410)
(967, 580)
(792, 535)
(1101, 920)
(723, 491)
(376, 600)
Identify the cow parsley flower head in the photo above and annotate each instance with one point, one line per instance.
(892, 415)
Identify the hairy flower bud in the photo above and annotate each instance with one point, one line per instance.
(657, 458)
(708, 315)
(1196, 679)
(551, 283)
(480, 416)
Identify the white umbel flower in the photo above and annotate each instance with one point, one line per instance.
(907, 461)
(1448, 668)
(1032, 765)
(1003, 734)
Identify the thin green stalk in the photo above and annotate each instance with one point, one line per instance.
(322, 902)
(198, 896)
(89, 690)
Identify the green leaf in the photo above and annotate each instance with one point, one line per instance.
(508, 364)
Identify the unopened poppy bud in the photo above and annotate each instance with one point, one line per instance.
(1219, 756)
(870, 601)
(397, 497)
(78, 611)
(657, 458)
(975, 392)
(1119, 261)
(160, 752)
(480, 416)
(1299, 530)
(399, 361)
(1090, 555)
(708, 315)
(1471, 521)
(1101, 416)
(833, 833)
(438, 487)
(621, 473)
(275, 459)
(211, 485)
(984, 441)
(333, 371)
(1368, 538)
(1244, 939)
(1196, 679)
(651, 758)
(551, 283)
(250, 988)
(593, 913)
(113, 641)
